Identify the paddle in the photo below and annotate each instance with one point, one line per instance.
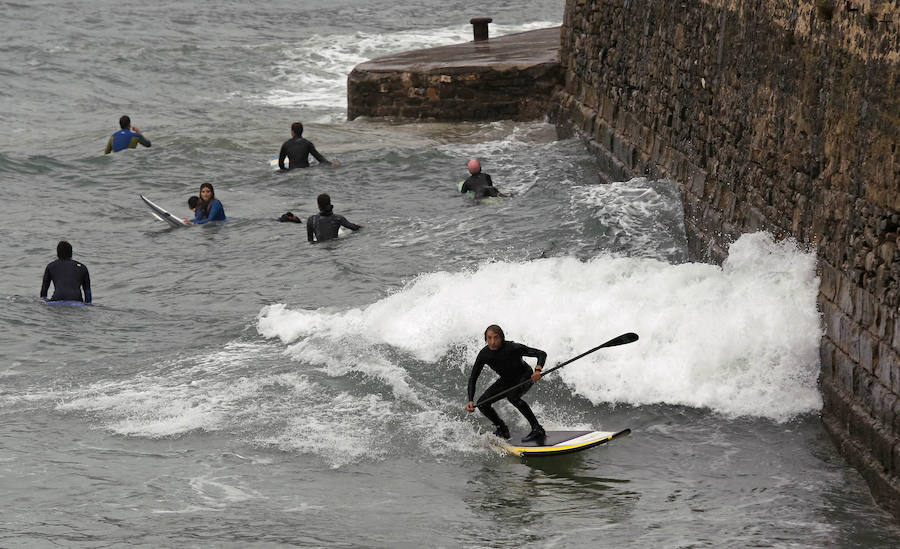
(630, 337)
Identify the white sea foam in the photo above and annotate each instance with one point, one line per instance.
(190, 393)
(740, 339)
(645, 217)
(313, 72)
(236, 391)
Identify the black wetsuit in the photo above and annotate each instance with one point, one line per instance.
(68, 277)
(298, 150)
(480, 184)
(324, 225)
(507, 362)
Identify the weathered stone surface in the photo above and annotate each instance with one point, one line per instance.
(844, 370)
(771, 116)
(510, 77)
(828, 283)
(882, 368)
(826, 359)
(868, 352)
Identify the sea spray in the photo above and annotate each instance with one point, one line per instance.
(740, 339)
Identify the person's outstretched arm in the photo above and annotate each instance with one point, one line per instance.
(540, 355)
(45, 284)
(281, 156)
(473, 380)
(86, 285)
(318, 155)
(351, 226)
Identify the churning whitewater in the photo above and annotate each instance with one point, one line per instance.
(740, 339)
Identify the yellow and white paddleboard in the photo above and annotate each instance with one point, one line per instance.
(558, 442)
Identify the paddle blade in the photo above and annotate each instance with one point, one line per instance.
(630, 337)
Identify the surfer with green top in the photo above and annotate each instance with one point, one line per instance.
(505, 358)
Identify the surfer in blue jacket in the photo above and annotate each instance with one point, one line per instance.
(209, 208)
(505, 358)
(68, 277)
(126, 138)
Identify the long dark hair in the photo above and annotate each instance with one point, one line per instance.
(204, 204)
(497, 330)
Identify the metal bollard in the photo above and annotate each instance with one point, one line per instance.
(480, 27)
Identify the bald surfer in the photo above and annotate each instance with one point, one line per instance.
(479, 183)
(505, 358)
(68, 277)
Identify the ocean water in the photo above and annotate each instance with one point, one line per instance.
(234, 386)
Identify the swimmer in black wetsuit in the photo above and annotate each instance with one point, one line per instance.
(505, 358)
(298, 149)
(68, 277)
(479, 183)
(324, 225)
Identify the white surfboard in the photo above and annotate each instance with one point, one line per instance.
(557, 442)
(343, 232)
(163, 215)
(273, 163)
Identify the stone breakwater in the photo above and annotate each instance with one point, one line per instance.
(778, 115)
(510, 77)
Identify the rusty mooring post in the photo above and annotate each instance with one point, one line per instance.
(480, 27)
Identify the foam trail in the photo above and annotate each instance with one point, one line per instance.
(206, 393)
(740, 339)
(244, 390)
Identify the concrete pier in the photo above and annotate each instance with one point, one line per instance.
(509, 77)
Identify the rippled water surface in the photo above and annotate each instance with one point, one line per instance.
(234, 386)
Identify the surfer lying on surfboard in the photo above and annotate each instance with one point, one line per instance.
(505, 358)
(478, 183)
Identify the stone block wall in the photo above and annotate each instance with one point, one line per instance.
(459, 94)
(509, 77)
(778, 115)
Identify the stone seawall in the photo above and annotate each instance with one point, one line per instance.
(509, 77)
(773, 115)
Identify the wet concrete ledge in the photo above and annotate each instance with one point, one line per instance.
(509, 77)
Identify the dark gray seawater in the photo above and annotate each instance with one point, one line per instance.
(233, 386)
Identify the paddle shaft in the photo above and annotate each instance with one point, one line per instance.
(629, 337)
